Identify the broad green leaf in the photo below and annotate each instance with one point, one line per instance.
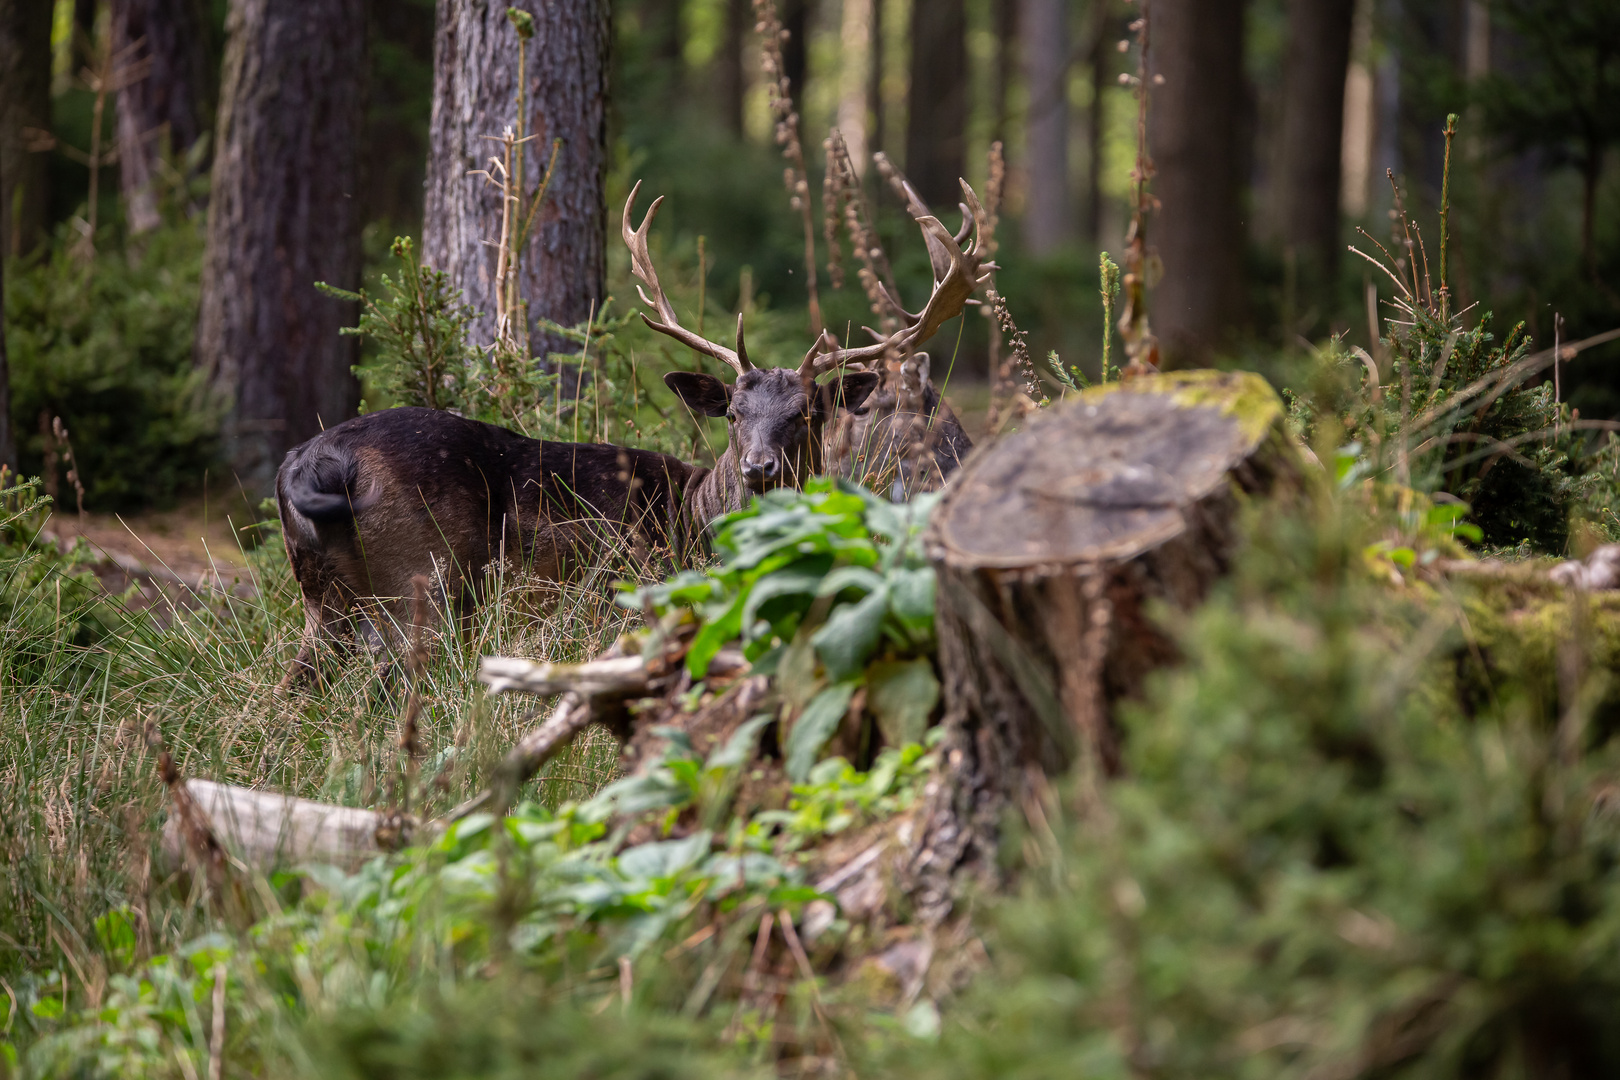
(911, 598)
(850, 577)
(713, 637)
(796, 676)
(901, 695)
(790, 581)
(656, 790)
(814, 727)
(664, 859)
(752, 868)
(849, 636)
(739, 749)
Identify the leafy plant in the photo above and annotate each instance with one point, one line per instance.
(828, 589)
(418, 335)
(1347, 844)
(49, 599)
(107, 346)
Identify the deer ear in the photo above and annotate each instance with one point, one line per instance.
(852, 390)
(703, 394)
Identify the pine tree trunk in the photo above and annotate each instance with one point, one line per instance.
(1126, 502)
(25, 103)
(165, 110)
(1314, 68)
(1044, 29)
(795, 15)
(8, 438)
(285, 213)
(1005, 16)
(874, 86)
(475, 60)
(936, 113)
(1193, 129)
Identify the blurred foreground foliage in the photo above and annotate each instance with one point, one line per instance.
(1367, 830)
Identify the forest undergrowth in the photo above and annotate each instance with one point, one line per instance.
(1366, 824)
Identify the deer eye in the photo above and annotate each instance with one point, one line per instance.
(731, 416)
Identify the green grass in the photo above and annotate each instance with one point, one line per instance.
(83, 683)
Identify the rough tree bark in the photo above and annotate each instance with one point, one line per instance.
(1044, 30)
(1314, 67)
(795, 15)
(166, 109)
(1004, 14)
(936, 114)
(8, 438)
(1193, 130)
(475, 58)
(285, 213)
(1125, 499)
(874, 83)
(25, 103)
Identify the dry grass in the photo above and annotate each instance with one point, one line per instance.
(80, 781)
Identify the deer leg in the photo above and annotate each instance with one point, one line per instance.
(326, 608)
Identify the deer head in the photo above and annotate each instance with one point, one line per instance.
(776, 415)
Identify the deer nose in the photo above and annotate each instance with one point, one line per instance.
(756, 470)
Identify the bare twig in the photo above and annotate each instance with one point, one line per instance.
(1141, 346)
(1445, 218)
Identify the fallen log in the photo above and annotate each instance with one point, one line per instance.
(261, 830)
(1051, 548)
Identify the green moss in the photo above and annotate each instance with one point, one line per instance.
(1242, 395)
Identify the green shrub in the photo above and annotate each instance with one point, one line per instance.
(1333, 856)
(52, 607)
(107, 346)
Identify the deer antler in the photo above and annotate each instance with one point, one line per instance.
(958, 271)
(642, 266)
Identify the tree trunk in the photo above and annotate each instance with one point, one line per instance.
(1314, 69)
(731, 81)
(25, 104)
(165, 110)
(795, 15)
(854, 79)
(874, 91)
(1005, 14)
(1126, 500)
(1048, 221)
(8, 439)
(936, 114)
(285, 213)
(475, 60)
(1193, 127)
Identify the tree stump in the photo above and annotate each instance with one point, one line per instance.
(1053, 548)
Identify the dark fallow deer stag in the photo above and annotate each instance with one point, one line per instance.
(369, 504)
(915, 419)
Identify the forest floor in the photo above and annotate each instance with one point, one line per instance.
(177, 551)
